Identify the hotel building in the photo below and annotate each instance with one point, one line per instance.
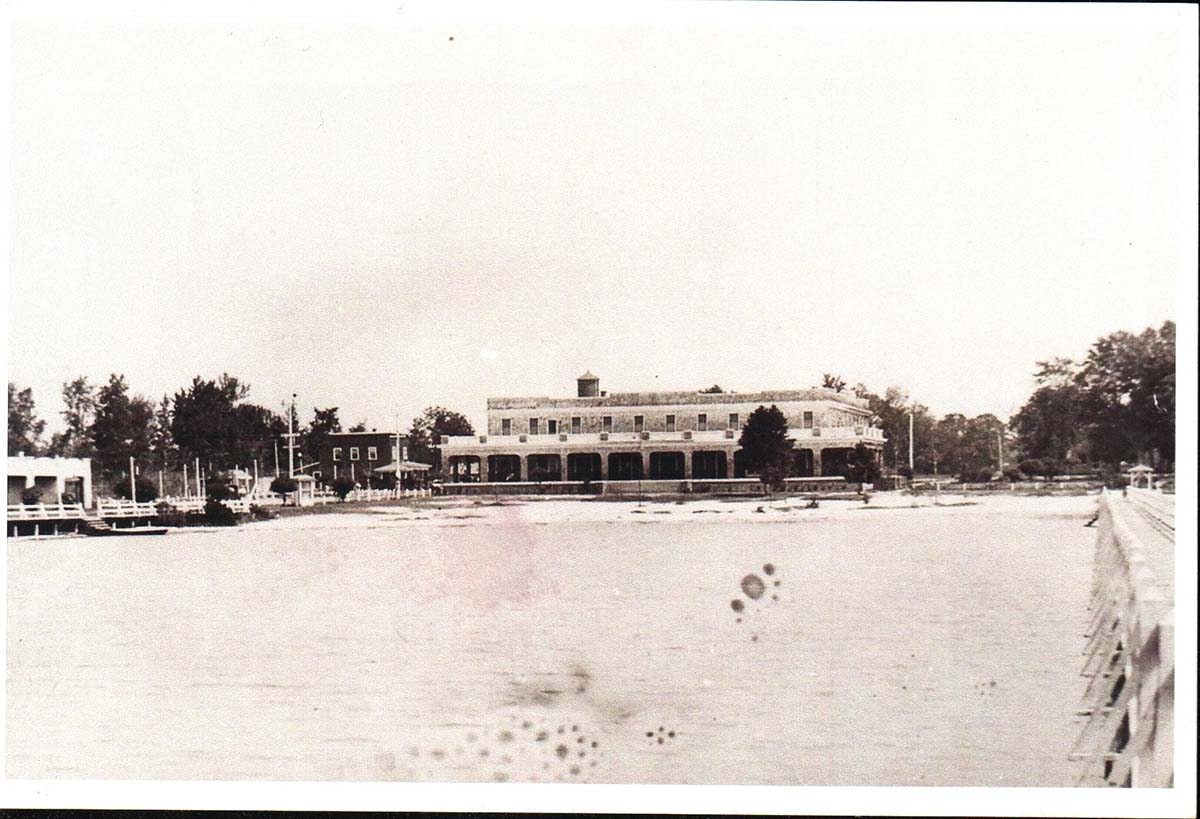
(658, 436)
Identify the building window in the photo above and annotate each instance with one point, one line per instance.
(506, 426)
(808, 420)
(733, 420)
(639, 421)
(372, 453)
(670, 423)
(551, 427)
(533, 426)
(702, 422)
(354, 453)
(576, 425)
(606, 423)
(337, 453)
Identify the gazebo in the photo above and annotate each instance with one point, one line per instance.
(1141, 477)
(414, 471)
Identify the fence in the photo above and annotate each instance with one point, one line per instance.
(1128, 737)
(108, 508)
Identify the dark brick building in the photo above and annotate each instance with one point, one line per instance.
(357, 455)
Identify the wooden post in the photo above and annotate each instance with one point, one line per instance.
(132, 482)
(185, 482)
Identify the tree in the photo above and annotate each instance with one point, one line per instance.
(715, 389)
(829, 381)
(864, 466)
(210, 422)
(342, 486)
(323, 424)
(31, 495)
(765, 445)
(361, 426)
(1050, 424)
(283, 486)
(79, 412)
(162, 444)
(121, 428)
(202, 421)
(1128, 387)
(24, 428)
(428, 429)
(143, 487)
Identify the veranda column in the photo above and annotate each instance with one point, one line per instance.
(521, 460)
(484, 472)
(817, 451)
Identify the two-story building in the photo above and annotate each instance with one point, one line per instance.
(597, 436)
(357, 455)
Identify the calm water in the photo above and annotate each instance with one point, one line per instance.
(906, 646)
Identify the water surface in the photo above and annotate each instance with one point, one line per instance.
(905, 647)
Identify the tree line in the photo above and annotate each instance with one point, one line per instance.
(210, 420)
(1115, 406)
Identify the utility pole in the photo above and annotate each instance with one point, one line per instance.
(291, 436)
(910, 443)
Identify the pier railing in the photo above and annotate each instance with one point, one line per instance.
(1128, 701)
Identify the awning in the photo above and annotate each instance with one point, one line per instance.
(405, 466)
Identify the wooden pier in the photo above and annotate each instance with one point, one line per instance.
(1127, 739)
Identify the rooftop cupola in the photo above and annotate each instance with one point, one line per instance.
(589, 385)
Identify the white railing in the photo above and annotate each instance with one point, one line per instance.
(45, 511)
(114, 508)
(192, 504)
(715, 436)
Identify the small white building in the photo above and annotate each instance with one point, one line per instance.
(53, 476)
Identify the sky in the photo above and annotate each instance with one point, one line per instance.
(396, 211)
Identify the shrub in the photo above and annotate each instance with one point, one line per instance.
(342, 487)
(69, 497)
(283, 486)
(167, 515)
(976, 476)
(1013, 474)
(146, 490)
(905, 472)
(1032, 467)
(218, 514)
(220, 486)
(262, 513)
(31, 496)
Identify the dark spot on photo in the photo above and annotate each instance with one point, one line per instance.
(506, 736)
(541, 736)
(768, 568)
(561, 751)
(737, 605)
(752, 586)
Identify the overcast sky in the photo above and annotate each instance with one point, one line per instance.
(391, 214)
